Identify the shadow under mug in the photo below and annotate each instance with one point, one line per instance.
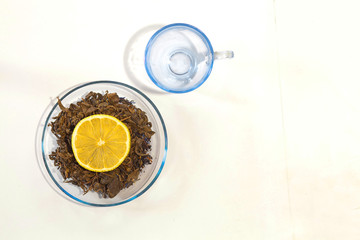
(179, 58)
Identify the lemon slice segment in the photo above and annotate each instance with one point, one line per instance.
(100, 142)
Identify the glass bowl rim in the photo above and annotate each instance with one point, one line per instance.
(42, 131)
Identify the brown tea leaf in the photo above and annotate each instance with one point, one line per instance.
(108, 184)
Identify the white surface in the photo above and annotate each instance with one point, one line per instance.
(267, 148)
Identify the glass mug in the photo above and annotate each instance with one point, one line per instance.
(179, 58)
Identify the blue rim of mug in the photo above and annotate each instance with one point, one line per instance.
(153, 38)
(46, 124)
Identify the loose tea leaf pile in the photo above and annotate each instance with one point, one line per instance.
(108, 184)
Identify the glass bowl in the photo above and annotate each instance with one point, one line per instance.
(46, 143)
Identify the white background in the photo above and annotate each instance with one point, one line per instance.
(268, 148)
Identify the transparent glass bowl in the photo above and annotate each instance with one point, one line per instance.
(46, 143)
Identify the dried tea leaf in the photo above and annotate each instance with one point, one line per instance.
(108, 184)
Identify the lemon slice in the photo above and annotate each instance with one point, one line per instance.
(100, 142)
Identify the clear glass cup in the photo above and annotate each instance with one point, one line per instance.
(179, 58)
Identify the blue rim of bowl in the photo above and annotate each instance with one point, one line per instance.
(156, 34)
(157, 174)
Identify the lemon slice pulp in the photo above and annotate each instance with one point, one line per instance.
(100, 142)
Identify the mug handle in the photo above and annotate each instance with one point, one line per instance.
(223, 55)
